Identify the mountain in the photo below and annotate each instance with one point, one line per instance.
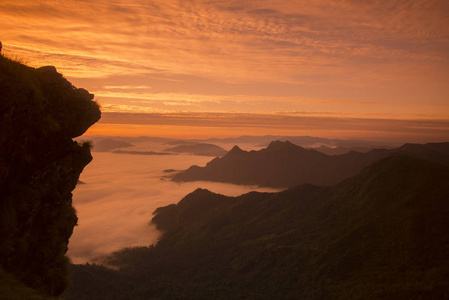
(303, 141)
(40, 113)
(379, 235)
(201, 149)
(339, 150)
(283, 164)
(12, 289)
(141, 152)
(106, 145)
(130, 139)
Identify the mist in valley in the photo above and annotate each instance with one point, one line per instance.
(120, 193)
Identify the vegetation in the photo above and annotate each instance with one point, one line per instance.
(12, 289)
(379, 235)
(40, 111)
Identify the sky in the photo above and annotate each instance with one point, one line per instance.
(201, 68)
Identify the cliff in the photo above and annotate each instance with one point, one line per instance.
(40, 113)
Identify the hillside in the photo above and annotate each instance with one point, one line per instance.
(303, 141)
(341, 150)
(107, 145)
(283, 164)
(40, 113)
(201, 149)
(379, 235)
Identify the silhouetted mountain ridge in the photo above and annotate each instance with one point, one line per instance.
(379, 235)
(303, 141)
(235, 149)
(283, 164)
(202, 149)
(106, 145)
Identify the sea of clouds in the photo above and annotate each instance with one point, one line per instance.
(120, 194)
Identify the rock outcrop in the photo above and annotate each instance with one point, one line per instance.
(40, 113)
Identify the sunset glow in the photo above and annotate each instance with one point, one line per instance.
(186, 69)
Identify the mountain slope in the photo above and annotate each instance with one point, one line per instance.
(201, 149)
(283, 164)
(107, 145)
(303, 141)
(379, 235)
(12, 289)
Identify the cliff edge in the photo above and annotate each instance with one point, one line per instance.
(40, 113)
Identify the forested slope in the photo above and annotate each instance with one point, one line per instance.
(379, 235)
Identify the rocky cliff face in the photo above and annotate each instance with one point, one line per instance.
(40, 113)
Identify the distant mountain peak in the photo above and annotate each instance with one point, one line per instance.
(201, 191)
(282, 145)
(235, 149)
(442, 147)
(284, 164)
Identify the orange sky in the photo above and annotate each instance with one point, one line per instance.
(347, 68)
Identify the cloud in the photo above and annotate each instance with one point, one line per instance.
(392, 52)
(203, 35)
(120, 195)
(327, 124)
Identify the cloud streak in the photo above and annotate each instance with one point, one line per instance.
(385, 57)
(329, 125)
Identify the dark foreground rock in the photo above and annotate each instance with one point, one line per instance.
(40, 164)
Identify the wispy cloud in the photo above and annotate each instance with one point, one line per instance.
(325, 124)
(356, 57)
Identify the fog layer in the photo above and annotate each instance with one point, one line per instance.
(122, 191)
